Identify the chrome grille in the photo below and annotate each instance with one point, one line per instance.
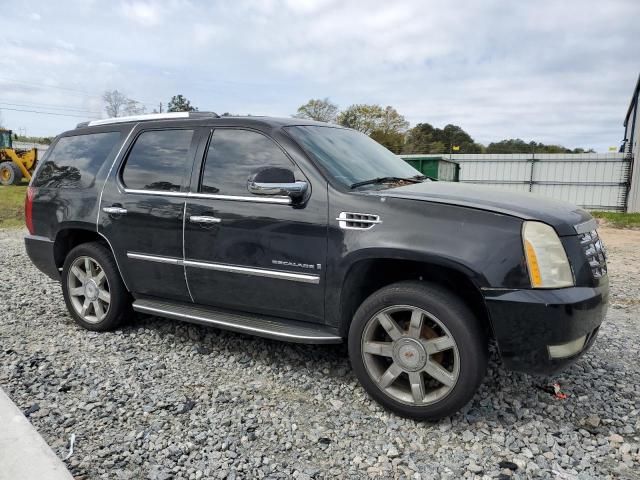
(595, 252)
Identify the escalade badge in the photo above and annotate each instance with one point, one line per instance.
(285, 263)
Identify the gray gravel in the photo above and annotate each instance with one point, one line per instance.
(161, 399)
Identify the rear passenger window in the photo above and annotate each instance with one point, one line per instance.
(233, 156)
(75, 161)
(159, 160)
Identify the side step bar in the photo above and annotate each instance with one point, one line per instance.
(262, 326)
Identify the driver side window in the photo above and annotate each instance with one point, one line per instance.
(235, 154)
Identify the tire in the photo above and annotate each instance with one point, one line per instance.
(418, 350)
(105, 302)
(10, 174)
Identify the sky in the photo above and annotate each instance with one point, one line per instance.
(558, 72)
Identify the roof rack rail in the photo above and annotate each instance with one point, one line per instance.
(147, 117)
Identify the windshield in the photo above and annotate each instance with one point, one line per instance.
(349, 156)
(5, 139)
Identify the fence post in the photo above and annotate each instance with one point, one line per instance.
(533, 161)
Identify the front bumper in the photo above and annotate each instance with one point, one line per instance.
(527, 322)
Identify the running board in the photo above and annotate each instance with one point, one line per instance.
(261, 326)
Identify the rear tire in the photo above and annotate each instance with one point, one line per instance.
(10, 173)
(93, 290)
(418, 350)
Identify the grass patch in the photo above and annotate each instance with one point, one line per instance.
(619, 220)
(12, 206)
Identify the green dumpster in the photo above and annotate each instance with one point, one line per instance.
(434, 166)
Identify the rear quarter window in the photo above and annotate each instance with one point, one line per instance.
(75, 161)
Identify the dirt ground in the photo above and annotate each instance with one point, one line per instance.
(623, 261)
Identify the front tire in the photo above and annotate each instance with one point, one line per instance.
(418, 350)
(10, 174)
(93, 290)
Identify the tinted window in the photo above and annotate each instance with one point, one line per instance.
(159, 160)
(233, 156)
(75, 161)
(350, 156)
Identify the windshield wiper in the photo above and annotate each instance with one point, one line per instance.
(372, 181)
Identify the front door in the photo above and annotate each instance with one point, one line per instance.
(254, 253)
(142, 212)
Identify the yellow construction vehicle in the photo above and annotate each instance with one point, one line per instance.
(15, 164)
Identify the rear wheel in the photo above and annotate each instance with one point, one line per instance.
(10, 174)
(418, 350)
(93, 290)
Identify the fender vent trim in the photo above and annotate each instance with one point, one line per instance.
(357, 221)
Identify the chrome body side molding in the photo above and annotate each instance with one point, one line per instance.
(282, 200)
(155, 258)
(223, 267)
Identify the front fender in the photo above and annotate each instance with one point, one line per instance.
(484, 247)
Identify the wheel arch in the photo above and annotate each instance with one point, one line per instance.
(368, 274)
(70, 237)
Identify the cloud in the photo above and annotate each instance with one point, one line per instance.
(143, 13)
(558, 72)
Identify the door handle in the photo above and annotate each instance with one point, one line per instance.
(114, 210)
(204, 219)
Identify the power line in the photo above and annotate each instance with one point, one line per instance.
(22, 82)
(49, 106)
(81, 92)
(43, 113)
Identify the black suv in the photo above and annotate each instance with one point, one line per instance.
(307, 232)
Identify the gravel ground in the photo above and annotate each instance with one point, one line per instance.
(161, 399)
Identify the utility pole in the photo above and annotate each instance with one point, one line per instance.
(160, 107)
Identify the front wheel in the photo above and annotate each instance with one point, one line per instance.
(93, 290)
(418, 350)
(10, 174)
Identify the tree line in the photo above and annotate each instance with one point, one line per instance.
(389, 128)
(117, 104)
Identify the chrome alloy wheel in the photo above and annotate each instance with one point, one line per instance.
(88, 289)
(410, 355)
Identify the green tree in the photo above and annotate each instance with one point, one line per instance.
(517, 145)
(394, 141)
(321, 110)
(391, 122)
(361, 117)
(512, 145)
(179, 103)
(425, 138)
(453, 135)
(371, 118)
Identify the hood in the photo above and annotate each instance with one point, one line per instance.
(563, 216)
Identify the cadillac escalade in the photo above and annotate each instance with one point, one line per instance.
(308, 232)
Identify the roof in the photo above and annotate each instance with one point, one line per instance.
(634, 101)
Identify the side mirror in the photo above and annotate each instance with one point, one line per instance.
(276, 181)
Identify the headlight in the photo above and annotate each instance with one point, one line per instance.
(547, 261)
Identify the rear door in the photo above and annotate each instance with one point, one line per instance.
(260, 253)
(142, 211)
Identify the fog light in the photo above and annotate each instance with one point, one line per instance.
(567, 349)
